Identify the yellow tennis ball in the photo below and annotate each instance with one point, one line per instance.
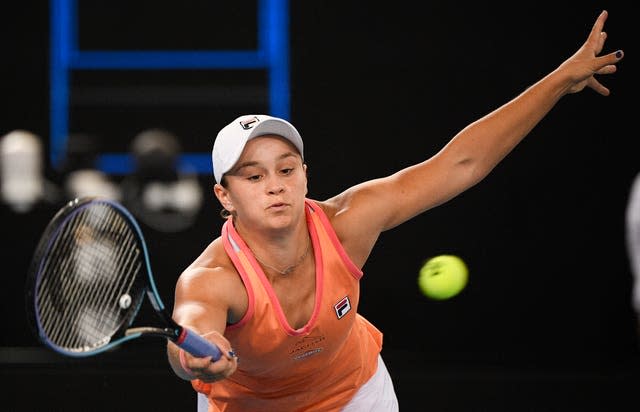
(442, 277)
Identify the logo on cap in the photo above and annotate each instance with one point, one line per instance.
(249, 123)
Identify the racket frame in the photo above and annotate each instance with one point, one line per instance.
(183, 337)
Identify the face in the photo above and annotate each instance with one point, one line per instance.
(267, 185)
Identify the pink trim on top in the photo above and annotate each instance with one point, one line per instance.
(269, 288)
(233, 255)
(319, 264)
(328, 227)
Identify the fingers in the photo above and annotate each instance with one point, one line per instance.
(218, 370)
(221, 342)
(600, 43)
(598, 25)
(608, 69)
(597, 36)
(598, 87)
(617, 55)
(607, 63)
(208, 370)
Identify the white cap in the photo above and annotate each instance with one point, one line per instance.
(231, 140)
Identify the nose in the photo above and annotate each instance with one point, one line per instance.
(275, 185)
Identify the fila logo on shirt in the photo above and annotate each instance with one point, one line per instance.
(343, 307)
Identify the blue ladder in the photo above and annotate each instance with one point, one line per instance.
(272, 54)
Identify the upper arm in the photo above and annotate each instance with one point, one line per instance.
(362, 212)
(209, 294)
(386, 202)
(207, 299)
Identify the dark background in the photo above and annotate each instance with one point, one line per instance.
(545, 322)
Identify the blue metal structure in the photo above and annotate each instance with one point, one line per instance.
(272, 54)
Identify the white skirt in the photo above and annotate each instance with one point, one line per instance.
(377, 395)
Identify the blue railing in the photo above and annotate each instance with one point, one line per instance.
(272, 54)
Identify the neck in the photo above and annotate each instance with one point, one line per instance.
(280, 250)
(288, 269)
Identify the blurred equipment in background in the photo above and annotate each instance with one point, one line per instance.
(158, 193)
(79, 168)
(23, 183)
(633, 245)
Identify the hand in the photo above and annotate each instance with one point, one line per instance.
(208, 371)
(585, 63)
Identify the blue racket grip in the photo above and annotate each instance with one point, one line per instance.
(197, 345)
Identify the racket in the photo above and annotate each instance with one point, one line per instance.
(88, 278)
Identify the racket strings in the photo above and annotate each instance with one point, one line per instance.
(127, 266)
(92, 263)
(92, 259)
(99, 258)
(58, 272)
(60, 288)
(77, 275)
(53, 285)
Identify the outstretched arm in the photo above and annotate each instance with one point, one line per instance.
(202, 304)
(365, 210)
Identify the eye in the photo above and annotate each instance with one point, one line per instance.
(286, 171)
(254, 178)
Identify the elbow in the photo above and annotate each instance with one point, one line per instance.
(472, 170)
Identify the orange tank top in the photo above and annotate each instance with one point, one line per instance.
(318, 367)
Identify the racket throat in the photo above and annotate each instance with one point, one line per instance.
(152, 331)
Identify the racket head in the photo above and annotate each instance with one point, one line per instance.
(87, 277)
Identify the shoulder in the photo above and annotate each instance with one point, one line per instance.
(212, 256)
(355, 223)
(212, 277)
(359, 208)
(326, 206)
(212, 264)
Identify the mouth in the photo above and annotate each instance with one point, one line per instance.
(277, 206)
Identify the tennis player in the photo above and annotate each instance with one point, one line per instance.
(278, 290)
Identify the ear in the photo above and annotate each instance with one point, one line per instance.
(222, 195)
(306, 178)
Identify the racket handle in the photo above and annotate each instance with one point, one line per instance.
(197, 345)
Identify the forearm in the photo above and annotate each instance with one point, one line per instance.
(468, 157)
